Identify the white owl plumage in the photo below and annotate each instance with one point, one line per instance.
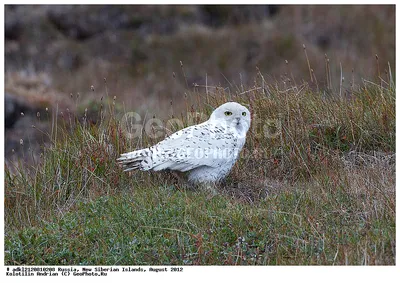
(207, 151)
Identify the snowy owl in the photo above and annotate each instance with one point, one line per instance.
(207, 150)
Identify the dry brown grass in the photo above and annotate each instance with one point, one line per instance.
(315, 183)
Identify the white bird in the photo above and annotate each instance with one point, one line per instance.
(207, 151)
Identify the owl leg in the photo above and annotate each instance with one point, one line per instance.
(210, 188)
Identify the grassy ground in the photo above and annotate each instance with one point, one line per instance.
(315, 184)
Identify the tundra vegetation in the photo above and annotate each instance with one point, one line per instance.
(314, 185)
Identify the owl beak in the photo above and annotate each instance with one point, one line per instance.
(237, 121)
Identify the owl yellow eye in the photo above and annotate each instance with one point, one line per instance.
(228, 113)
(244, 113)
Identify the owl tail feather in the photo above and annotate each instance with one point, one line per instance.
(138, 159)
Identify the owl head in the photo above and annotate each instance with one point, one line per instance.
(233, 115)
